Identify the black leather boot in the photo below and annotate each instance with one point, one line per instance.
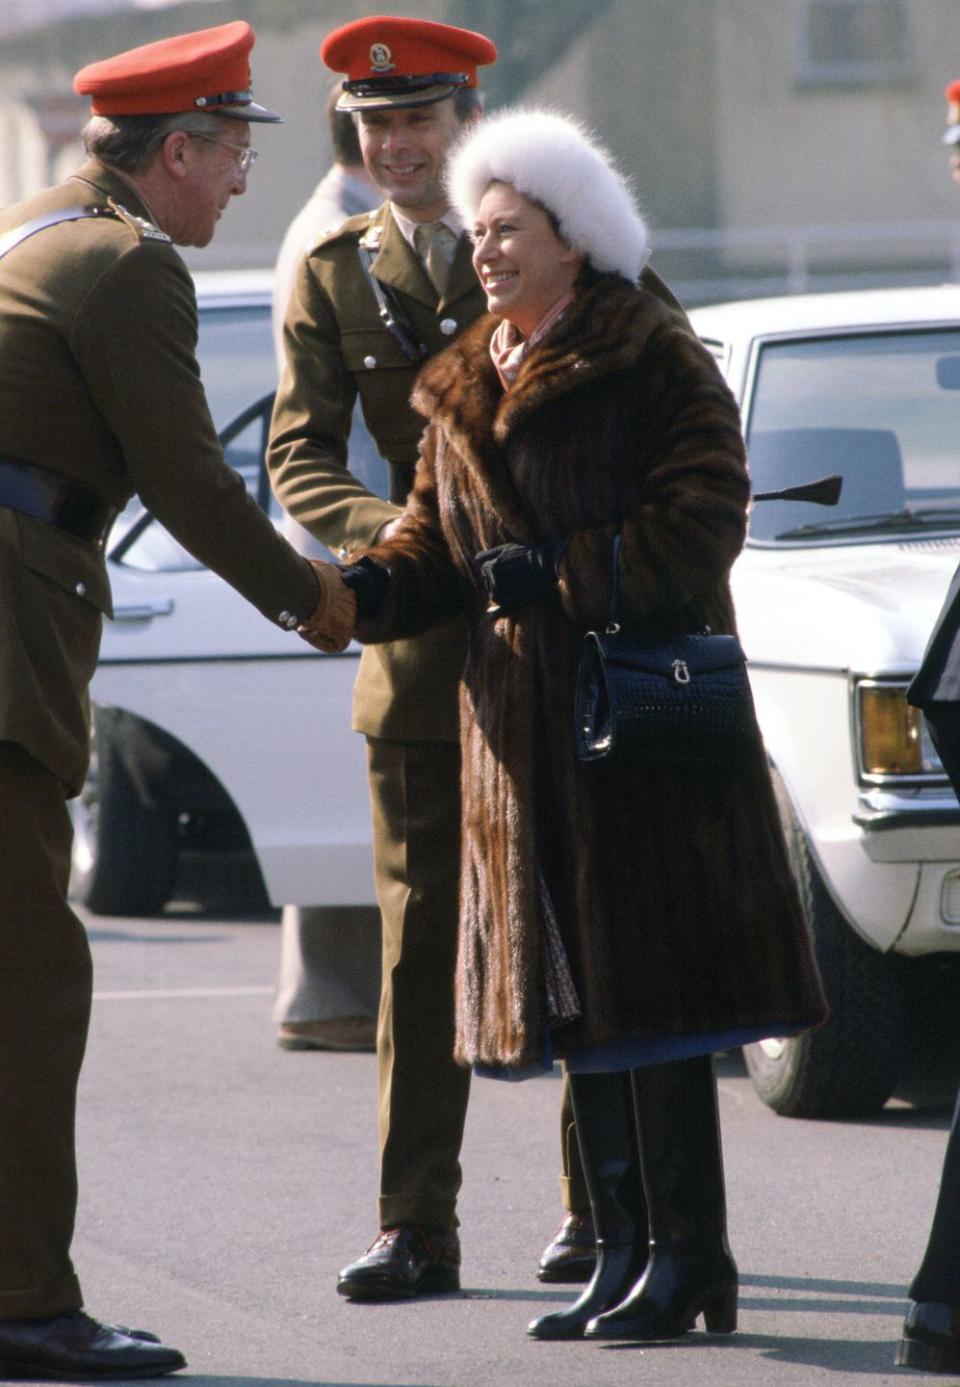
(931, 1338)
(690, 1271)
(603, 1106)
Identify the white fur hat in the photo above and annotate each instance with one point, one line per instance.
(553, 160)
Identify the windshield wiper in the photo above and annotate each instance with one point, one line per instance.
(906, 519)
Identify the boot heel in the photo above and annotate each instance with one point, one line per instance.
(720, 1313)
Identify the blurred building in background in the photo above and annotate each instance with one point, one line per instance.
(775, 144)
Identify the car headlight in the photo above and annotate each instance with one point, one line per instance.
(893, 738)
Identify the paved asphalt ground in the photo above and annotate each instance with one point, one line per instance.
(224, 1182)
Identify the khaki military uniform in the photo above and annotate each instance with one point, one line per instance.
(98, 384)
(405, 698)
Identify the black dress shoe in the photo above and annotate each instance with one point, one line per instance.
(403, 1262)
(572, 1256)
(72, 1347)
(931, 1337)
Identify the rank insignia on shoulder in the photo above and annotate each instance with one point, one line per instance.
(342, 231)
(144, 229)
(370, 240)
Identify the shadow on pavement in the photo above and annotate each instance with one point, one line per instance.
(814, 1294)
(839, 1355)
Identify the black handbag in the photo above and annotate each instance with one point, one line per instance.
(681, 698)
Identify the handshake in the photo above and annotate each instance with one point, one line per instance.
(512, 575)
(332, 623)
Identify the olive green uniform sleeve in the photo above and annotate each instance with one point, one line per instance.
(134, 340)
(311, 424)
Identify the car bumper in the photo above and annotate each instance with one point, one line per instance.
(921, 825)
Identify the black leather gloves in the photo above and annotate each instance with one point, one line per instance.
(370, 584)
(516, 574)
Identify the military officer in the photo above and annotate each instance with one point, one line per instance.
(931, 1333)
(363, 315)
(100, 397)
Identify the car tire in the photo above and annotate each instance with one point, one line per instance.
(124, 849)
(849, 1066)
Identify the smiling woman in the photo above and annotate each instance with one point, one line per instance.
(523, 264)
(622, 916)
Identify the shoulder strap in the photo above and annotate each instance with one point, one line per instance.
(112, 209)
(65, 214)
(391, 314)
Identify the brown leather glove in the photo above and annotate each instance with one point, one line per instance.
(331, 624)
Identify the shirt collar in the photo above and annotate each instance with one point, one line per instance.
(408, 227)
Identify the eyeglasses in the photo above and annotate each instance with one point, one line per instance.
(242, 155)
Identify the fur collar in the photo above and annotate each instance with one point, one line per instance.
(605, 330)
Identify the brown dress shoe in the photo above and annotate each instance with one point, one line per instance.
(572, 1256)
(403, 1262)
(72, 1346)
(340, 1033)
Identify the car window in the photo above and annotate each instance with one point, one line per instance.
(238, 369)
(880, 409)
(235, 351)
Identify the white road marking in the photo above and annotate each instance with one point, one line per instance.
(166, 992)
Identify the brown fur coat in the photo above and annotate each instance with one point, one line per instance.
(670, 888)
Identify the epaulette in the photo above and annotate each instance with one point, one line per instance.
(353, 227)
(145, 230)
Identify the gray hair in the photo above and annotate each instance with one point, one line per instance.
(129, 142)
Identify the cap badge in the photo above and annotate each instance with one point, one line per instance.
(381, 58)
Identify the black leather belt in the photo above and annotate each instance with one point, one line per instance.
(54, 499)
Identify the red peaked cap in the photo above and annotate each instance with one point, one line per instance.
(208, 70)
(953, 92)
(390, 61)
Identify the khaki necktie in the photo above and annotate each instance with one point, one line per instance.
(436, 245)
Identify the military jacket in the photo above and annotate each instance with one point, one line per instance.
(336, 348)
(99, 383)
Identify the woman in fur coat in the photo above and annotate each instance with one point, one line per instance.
(627, 917)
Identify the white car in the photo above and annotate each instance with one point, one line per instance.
(834, 608)
(215, 732)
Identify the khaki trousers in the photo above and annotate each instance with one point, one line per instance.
(415, 794)
(46, 981)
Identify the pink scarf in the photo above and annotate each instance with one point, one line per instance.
(508, 350)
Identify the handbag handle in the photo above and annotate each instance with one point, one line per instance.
(613, 612)
(614, 623)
